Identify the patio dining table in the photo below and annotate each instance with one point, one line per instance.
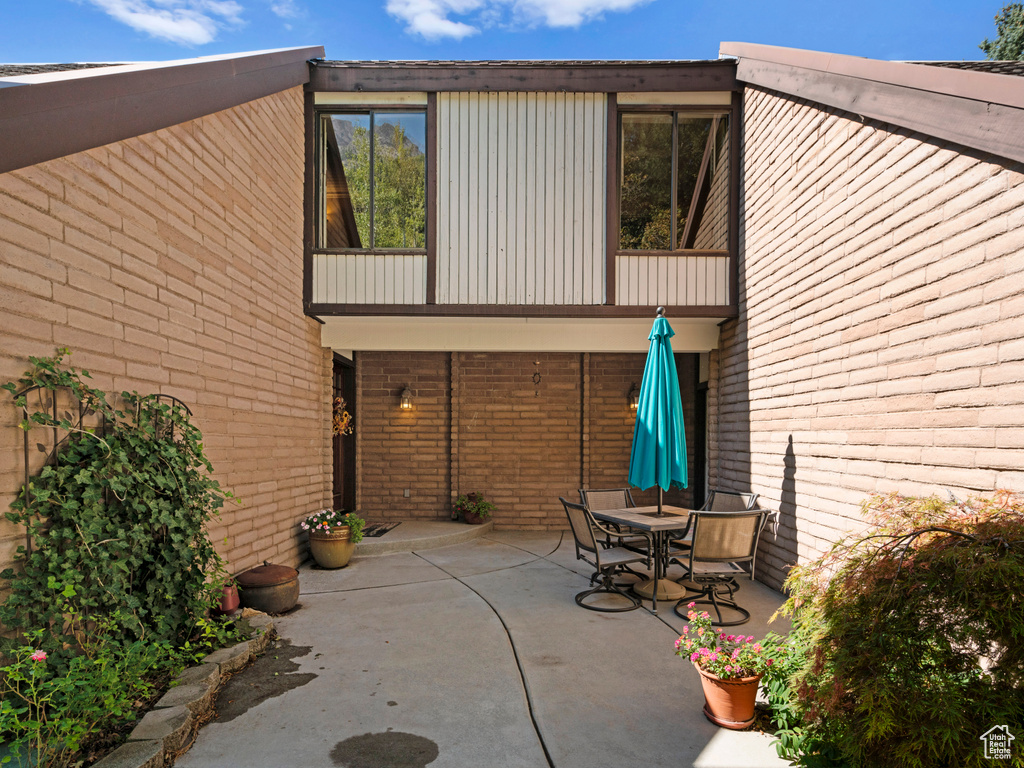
(673, 520)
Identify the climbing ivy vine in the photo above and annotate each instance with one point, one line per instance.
(116, 518)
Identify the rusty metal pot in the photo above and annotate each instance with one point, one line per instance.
(269, 588)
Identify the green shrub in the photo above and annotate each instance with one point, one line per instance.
(48, 714)
(916, 631)
(117, 517)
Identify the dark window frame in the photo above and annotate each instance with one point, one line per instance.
(319, 175)
(675, 110)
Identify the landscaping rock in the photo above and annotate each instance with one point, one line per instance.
(197, 698)
(207, 675)
(230, 659)
(171, 726)
(135, 754)
(260, 640)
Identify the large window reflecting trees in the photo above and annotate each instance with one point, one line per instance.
(674, 181)
(373, 181)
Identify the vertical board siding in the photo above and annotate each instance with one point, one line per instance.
(685, 281)
(520, 212)
(362, 279)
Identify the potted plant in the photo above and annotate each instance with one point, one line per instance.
(333, 535)
(473, 508)
(730, 668)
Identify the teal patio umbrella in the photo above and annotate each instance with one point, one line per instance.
(659, 442)
(659, 447)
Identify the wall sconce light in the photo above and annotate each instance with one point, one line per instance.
(406, 402)
(634, 397)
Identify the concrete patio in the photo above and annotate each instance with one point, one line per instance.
(473, 655)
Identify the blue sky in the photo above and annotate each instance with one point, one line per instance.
(144, 30)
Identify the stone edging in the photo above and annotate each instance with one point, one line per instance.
(167, 730)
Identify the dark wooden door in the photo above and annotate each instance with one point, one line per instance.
(345, 445)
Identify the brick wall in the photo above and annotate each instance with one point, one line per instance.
(521, 428)
(881, 343)
(172, 262)
(400, 450)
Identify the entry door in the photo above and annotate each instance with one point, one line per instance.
(345, 445)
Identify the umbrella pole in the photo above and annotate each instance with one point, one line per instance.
(659, 501)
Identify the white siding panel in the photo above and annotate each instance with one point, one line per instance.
(501, 202)
(444, 208)
(363, 279)
(685, 281)
(522, 204)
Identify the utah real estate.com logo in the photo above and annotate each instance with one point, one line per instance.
(998, 741)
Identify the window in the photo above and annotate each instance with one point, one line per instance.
(373, 181)
(674, 181)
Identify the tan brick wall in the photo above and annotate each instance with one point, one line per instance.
(519, 441)
(881, 342)
(172, 262)
(521, 428)
(400, 450)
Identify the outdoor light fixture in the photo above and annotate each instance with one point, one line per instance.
(634, 397)
(406, 402)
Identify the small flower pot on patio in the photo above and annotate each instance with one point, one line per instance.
(229, 601)
(333, 535)
(473, 508)
(729, 703)
(332, 548)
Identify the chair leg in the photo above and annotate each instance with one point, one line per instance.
(711, 595)
(607, 586)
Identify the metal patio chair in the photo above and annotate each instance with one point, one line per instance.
(600, 499)
(721, 542)
(607, 561)
(719, 501)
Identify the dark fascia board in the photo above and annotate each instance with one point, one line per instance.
(572, 77)
(980, 110)
(46, 116)
(513, 310)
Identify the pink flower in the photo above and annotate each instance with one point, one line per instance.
(694, 656)
(38, 656)
(691, 605)
(731, 638)
(686, 630)
(750, 639)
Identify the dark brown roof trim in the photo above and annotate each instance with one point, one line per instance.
(977, 109)
(46, 116)
(512, 310)
(570, 76)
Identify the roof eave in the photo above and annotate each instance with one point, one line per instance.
(976, 109)
(109, 104)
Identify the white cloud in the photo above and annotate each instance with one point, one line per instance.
(188, 22)
(430, 18)
(571, 13)
(286, 9)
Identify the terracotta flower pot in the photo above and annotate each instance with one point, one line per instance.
(472, 518)
(729, 703)
(229, 601)
(332, 548)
